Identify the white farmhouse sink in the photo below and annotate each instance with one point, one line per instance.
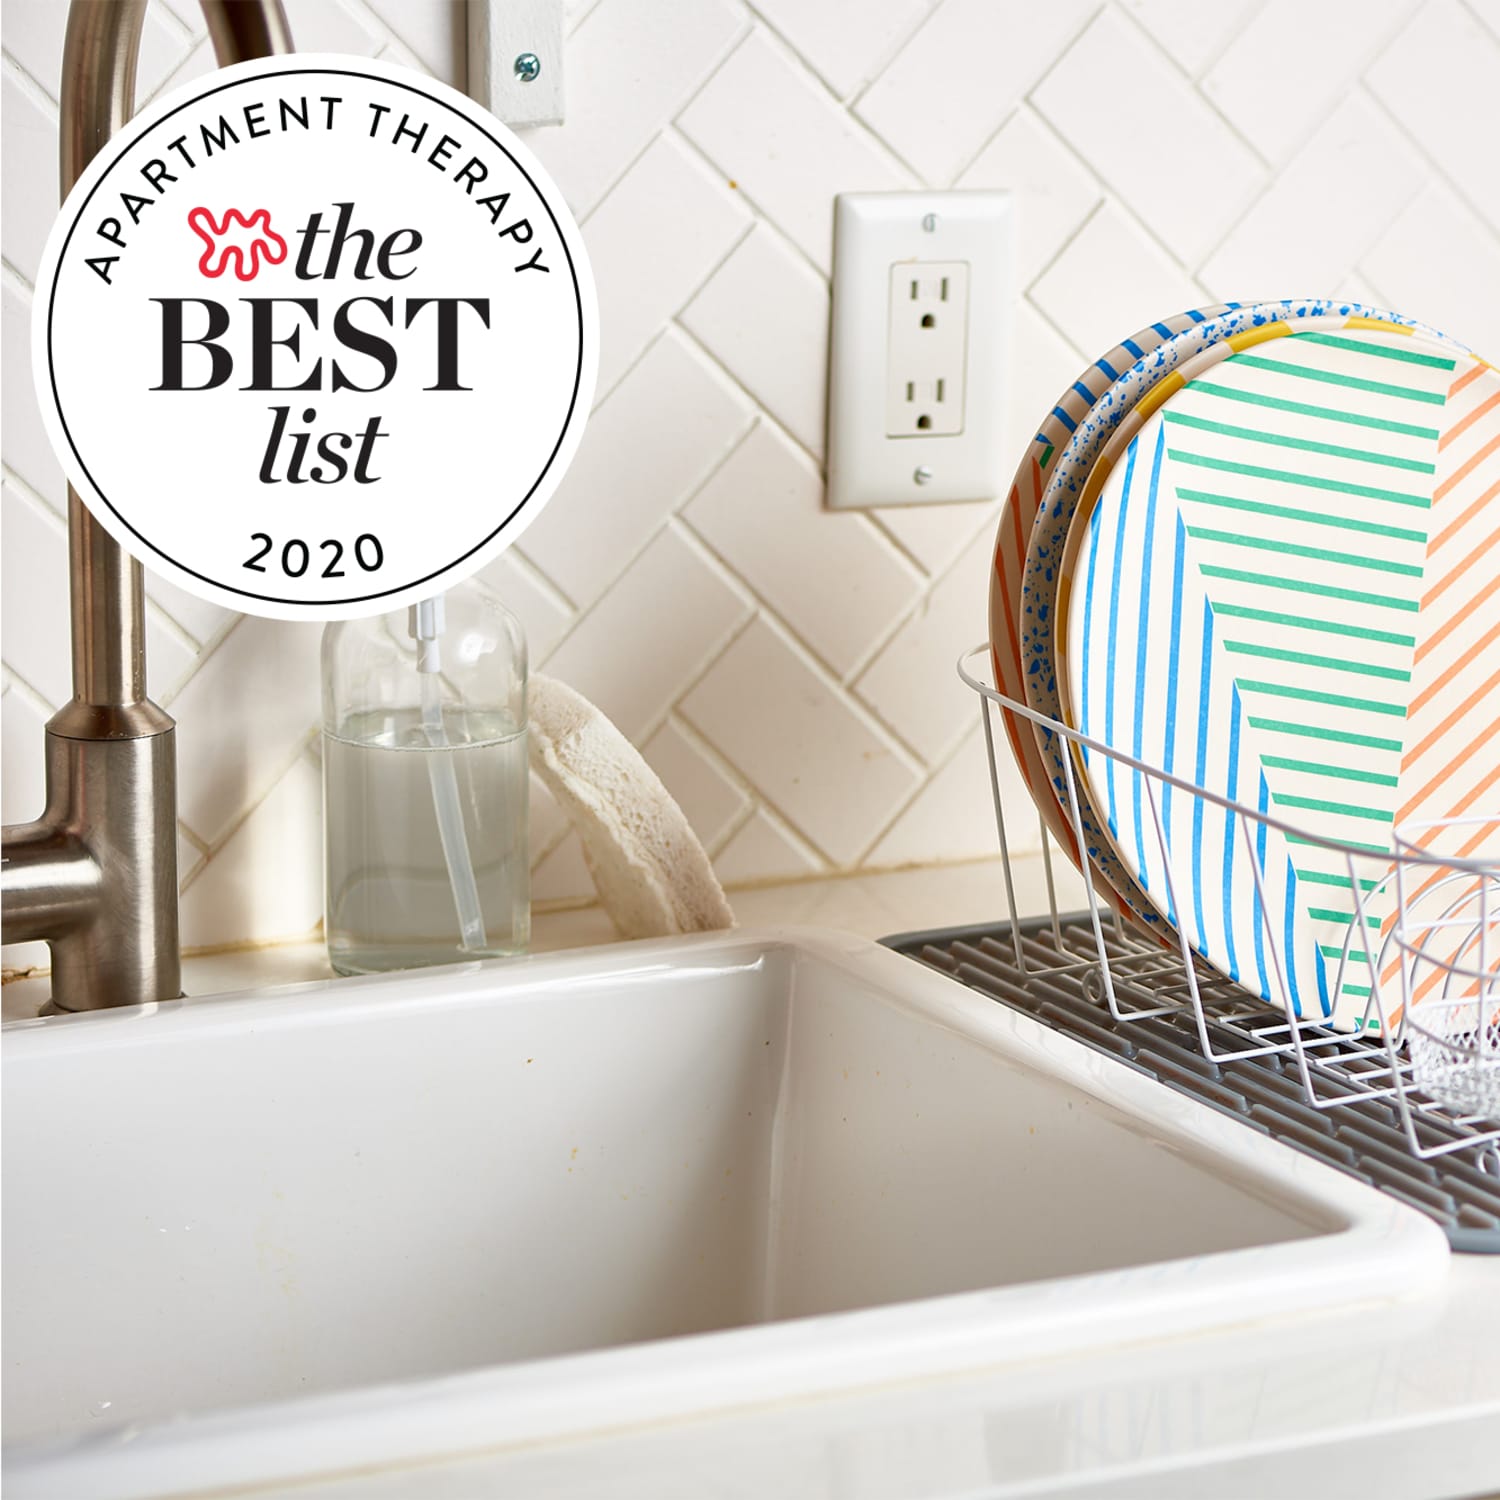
(416, 1216)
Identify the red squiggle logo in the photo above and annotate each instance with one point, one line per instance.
(237, 241)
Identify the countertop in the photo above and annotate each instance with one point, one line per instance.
(1402, 1403)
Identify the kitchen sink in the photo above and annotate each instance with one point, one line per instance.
(374, 1223)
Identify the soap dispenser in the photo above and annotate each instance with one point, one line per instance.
(425, 785)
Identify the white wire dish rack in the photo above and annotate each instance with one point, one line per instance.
(1410, 1101)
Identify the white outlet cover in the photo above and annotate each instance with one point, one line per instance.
(876, 237)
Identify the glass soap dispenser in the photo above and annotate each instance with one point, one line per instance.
(425, 785)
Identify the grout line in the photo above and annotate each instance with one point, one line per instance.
(23, 689)
(880, 64)
(708, 77)
(1432, 163)
(165, 622)
(740, 385)
(537, 576)
(38, 92)
(733, 827)
(584, 612)
(857, 98)
(758, 212)
(800, 67)
(204, 656)
(34, 498)
(1227, 45)
(216, 848)
(1193, 84)
(940, 763)
(878, 521)
(12, 278)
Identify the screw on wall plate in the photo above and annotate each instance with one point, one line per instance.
(528, 67)
(930, 222)
(922, 474)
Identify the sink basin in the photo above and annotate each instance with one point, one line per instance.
(413, 1216)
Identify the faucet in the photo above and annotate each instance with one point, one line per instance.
(96, 875)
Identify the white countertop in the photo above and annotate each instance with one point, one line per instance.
(1401, 1403)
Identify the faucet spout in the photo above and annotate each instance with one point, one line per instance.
(96, 875)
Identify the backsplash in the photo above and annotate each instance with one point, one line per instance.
(788, 671)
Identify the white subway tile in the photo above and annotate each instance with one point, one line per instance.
(23, 789)
(34, 31)
(1437, 77)
(935, 534)
(199, 618)
(436, 34)
(1053, 191)
(1191, 32)
(542, 617)
(1438, 226)
(632, 64)
(25, 444)
(953, 817)
(1171, 159)
(764, 315)
(1292, 63)
(958, 78)
(770, 126)
(28, 173)
(827, 573)
(266, 882)
(563, 875)
(708, 798)
(648, 446)
(650, 635)
(761, 850)
(240, 718)
(844, 40)
(34, 611)
(1332, 202)
(913, 684)
(788, 728)
(652, 242)
(1110, 281)
(331, 26)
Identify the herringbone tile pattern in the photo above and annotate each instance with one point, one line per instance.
(789, 670)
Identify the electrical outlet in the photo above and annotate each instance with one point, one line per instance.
(921, 312)
(926, 349)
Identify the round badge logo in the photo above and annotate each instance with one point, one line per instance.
(315, 337)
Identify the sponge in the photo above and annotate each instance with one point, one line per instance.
(652, 874)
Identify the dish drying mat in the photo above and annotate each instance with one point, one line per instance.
(1263, 1093)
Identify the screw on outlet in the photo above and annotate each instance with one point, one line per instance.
(922, 474)
(528, 67)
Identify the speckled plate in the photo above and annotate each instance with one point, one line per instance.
(1016, 521)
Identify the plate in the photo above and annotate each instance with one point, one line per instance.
(1161, 371)
(1282, 588)
(1016, 520)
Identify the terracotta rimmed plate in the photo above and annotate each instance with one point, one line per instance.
(1277, 588)
(1016, 520)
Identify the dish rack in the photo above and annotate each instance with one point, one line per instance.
(1410, 1101)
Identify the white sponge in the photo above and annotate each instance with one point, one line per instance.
(651, 872)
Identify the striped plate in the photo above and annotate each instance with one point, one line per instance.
(1158, 373)
(1282, 587)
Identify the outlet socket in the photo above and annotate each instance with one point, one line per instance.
(921, 314)
(927, 349)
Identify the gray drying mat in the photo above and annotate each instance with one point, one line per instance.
(1363, 1138)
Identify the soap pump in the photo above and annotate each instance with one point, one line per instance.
(425, 785)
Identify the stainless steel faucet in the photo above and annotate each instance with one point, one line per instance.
(96, 874)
